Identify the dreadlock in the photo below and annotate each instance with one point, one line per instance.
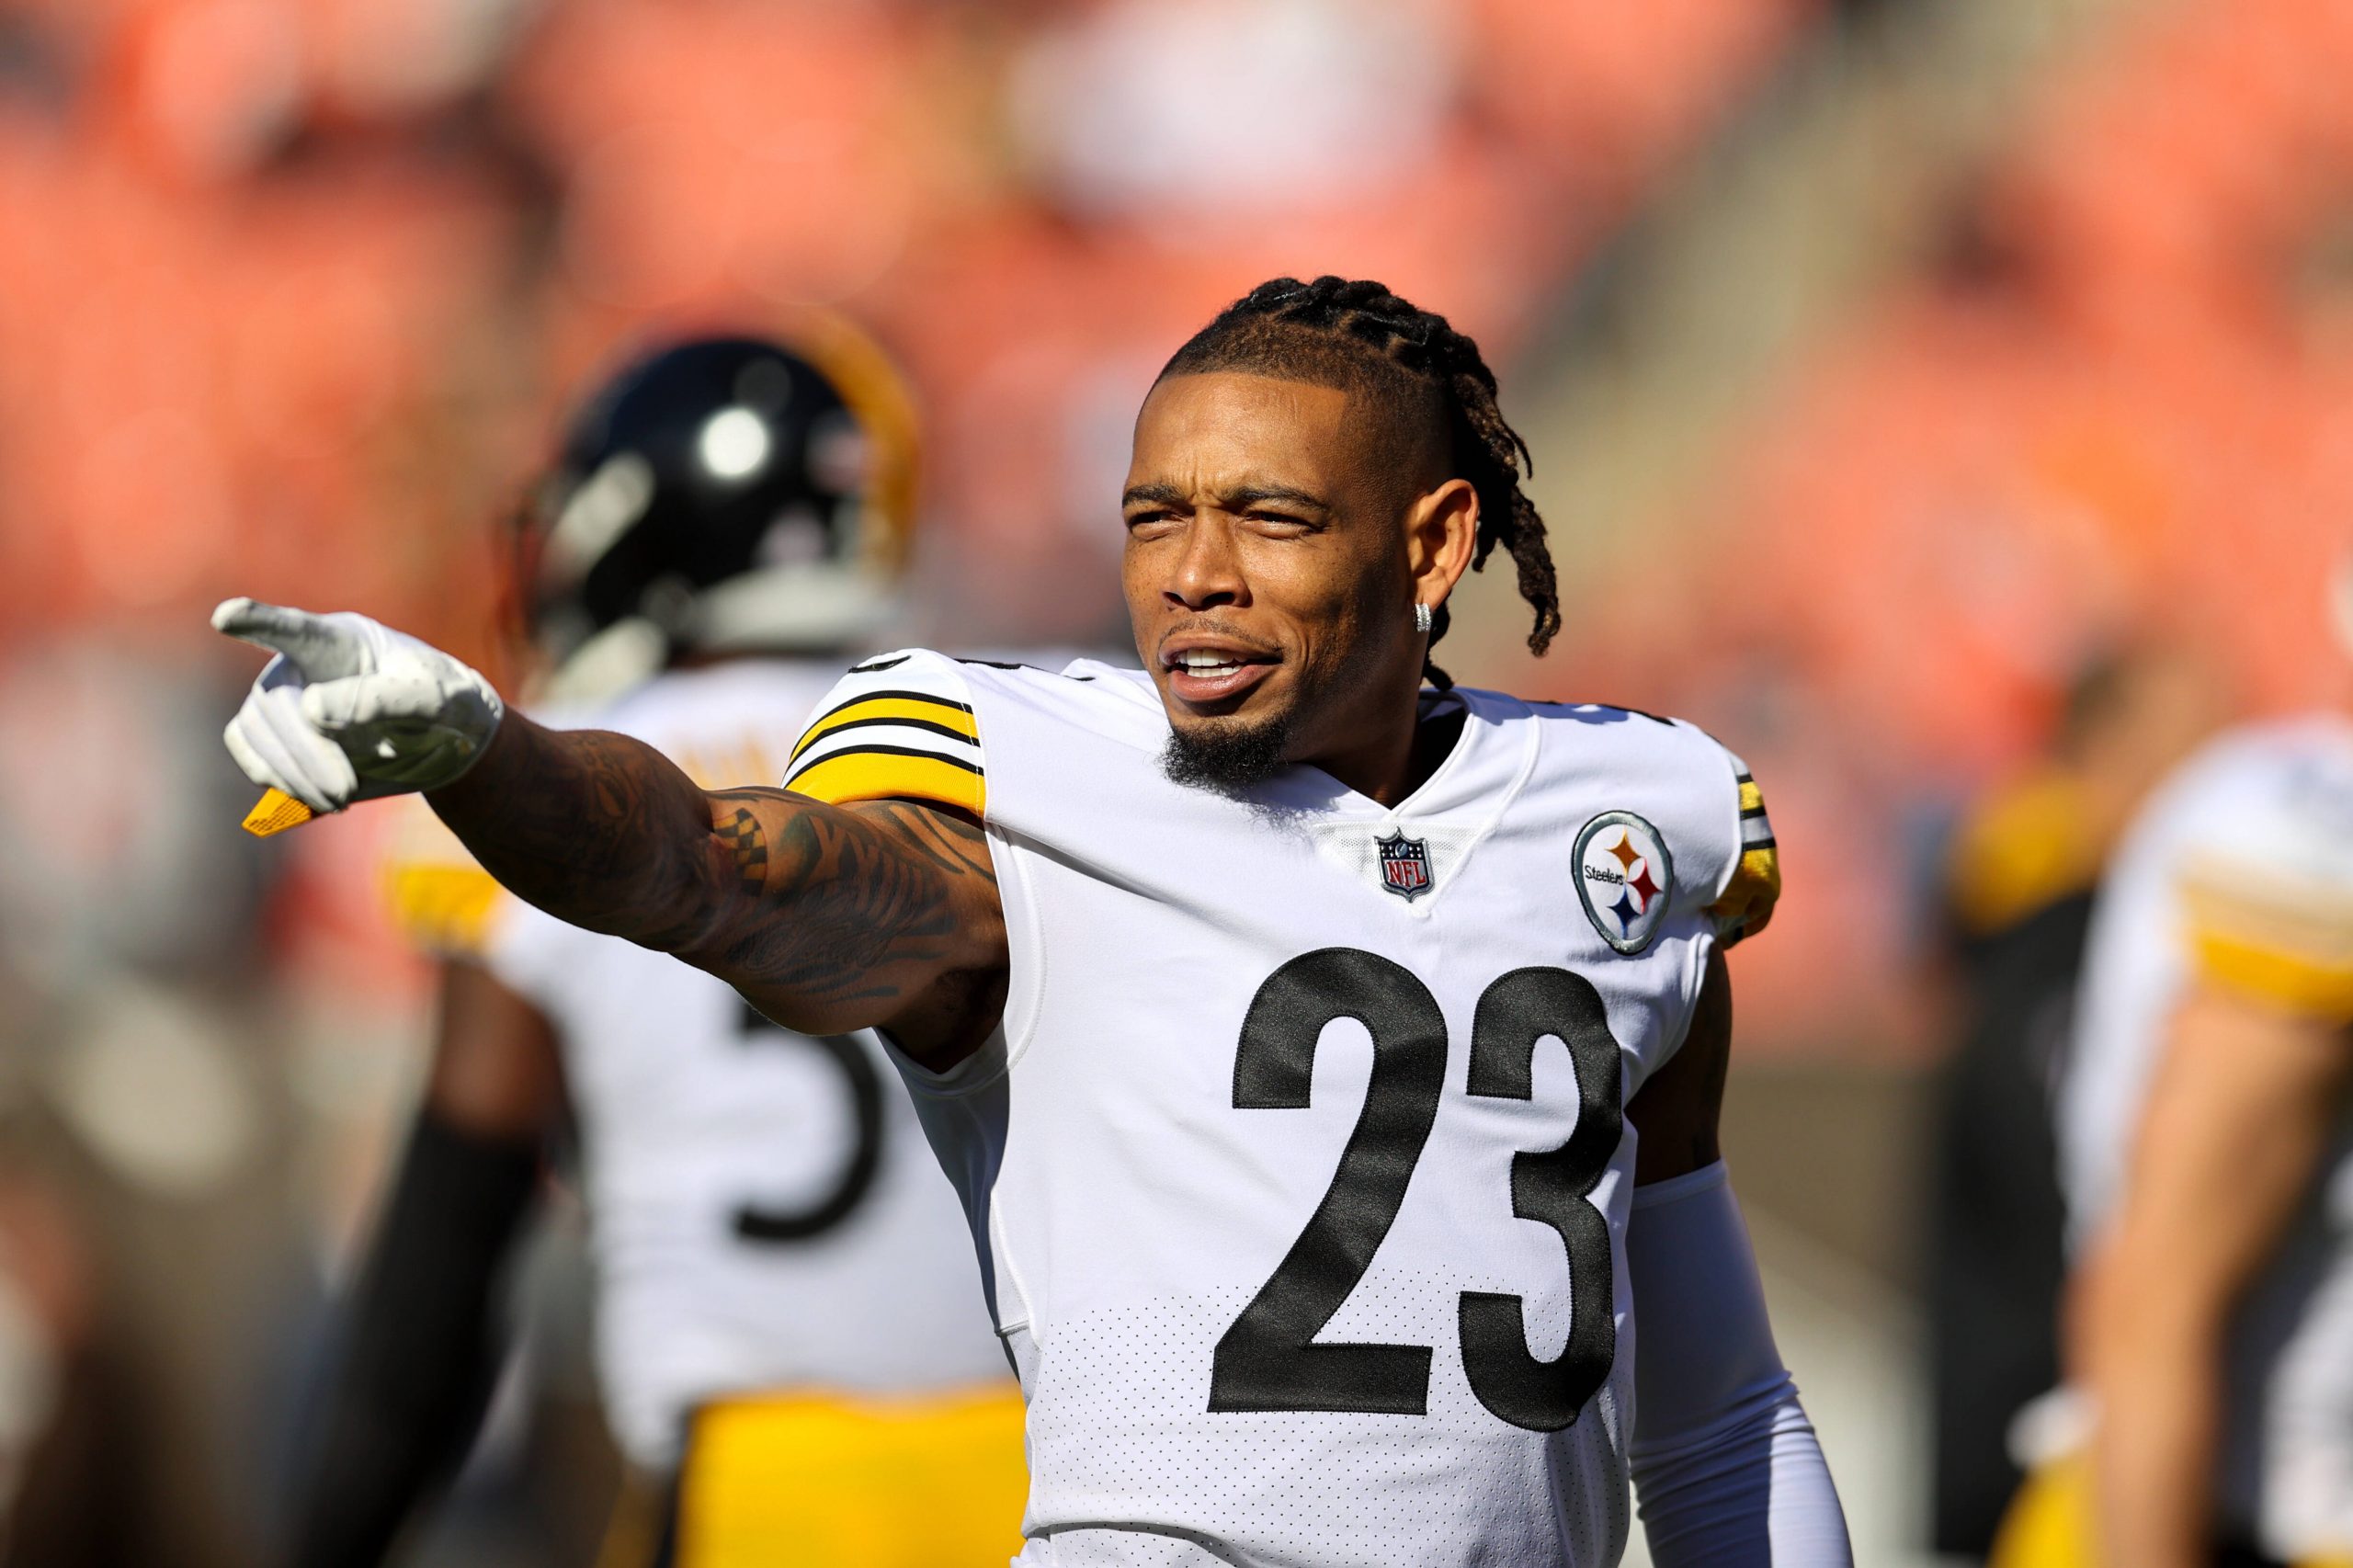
(1356, 337)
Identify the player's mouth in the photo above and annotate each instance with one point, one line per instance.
(1214, 671)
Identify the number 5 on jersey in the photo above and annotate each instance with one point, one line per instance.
(1269, 1359)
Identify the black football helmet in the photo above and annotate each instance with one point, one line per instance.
(721, 494)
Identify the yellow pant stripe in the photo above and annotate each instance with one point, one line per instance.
(2054, 1522)
(2048, 1523)
(915, 1484)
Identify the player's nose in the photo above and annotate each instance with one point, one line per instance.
(1207, 571)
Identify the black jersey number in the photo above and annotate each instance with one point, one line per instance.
(777, 1227)
(1553, 1187)
(1269, 1359)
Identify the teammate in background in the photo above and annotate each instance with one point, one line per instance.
(1284, 1017)
(792, 1337)
(2206, 1148)
(2017, 904)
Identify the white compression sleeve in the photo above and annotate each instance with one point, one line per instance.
(1726, 1467)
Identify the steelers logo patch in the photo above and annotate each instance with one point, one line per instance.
(1625, 879)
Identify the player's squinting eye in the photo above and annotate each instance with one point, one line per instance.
(1283, 522)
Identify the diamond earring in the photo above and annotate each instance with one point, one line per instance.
(1421, 616)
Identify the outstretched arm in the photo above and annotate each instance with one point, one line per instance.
(828, 919)
(1727, 1466)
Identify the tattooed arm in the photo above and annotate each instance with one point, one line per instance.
(827, 918)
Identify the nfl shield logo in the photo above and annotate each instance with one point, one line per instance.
(1405, 865)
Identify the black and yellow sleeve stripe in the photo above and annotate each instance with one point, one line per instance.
(1749, 899)
(445, 910)
(444, 903)
(2288, 943)
(891, 745)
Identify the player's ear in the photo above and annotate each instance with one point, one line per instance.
(1441, 531)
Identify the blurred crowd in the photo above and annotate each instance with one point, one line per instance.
(291, 290)
(2107, 395)
(287, 275)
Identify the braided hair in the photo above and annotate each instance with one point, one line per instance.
(1356, 337)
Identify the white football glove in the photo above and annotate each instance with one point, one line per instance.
(351, 710)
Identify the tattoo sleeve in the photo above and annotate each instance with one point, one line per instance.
(827, 917)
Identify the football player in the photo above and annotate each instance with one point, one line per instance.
(2206, 1146)
(1329, 1058)
(2021, 870)
(791, 1337)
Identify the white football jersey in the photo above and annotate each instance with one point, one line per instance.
(764, 1212)
(1298, 1170)
(2238, 871)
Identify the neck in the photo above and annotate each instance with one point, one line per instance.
(1390, 760)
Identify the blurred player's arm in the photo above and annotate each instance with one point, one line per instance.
(1727, 1471)
(421, 1340)
(2238, 1117)
(827, 918)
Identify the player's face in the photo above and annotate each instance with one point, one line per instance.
(1271, 564)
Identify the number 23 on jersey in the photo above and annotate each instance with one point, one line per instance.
(1269, 1359)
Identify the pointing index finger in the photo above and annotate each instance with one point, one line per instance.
(312, 644)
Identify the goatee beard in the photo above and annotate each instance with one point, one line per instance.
(1227, 758)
